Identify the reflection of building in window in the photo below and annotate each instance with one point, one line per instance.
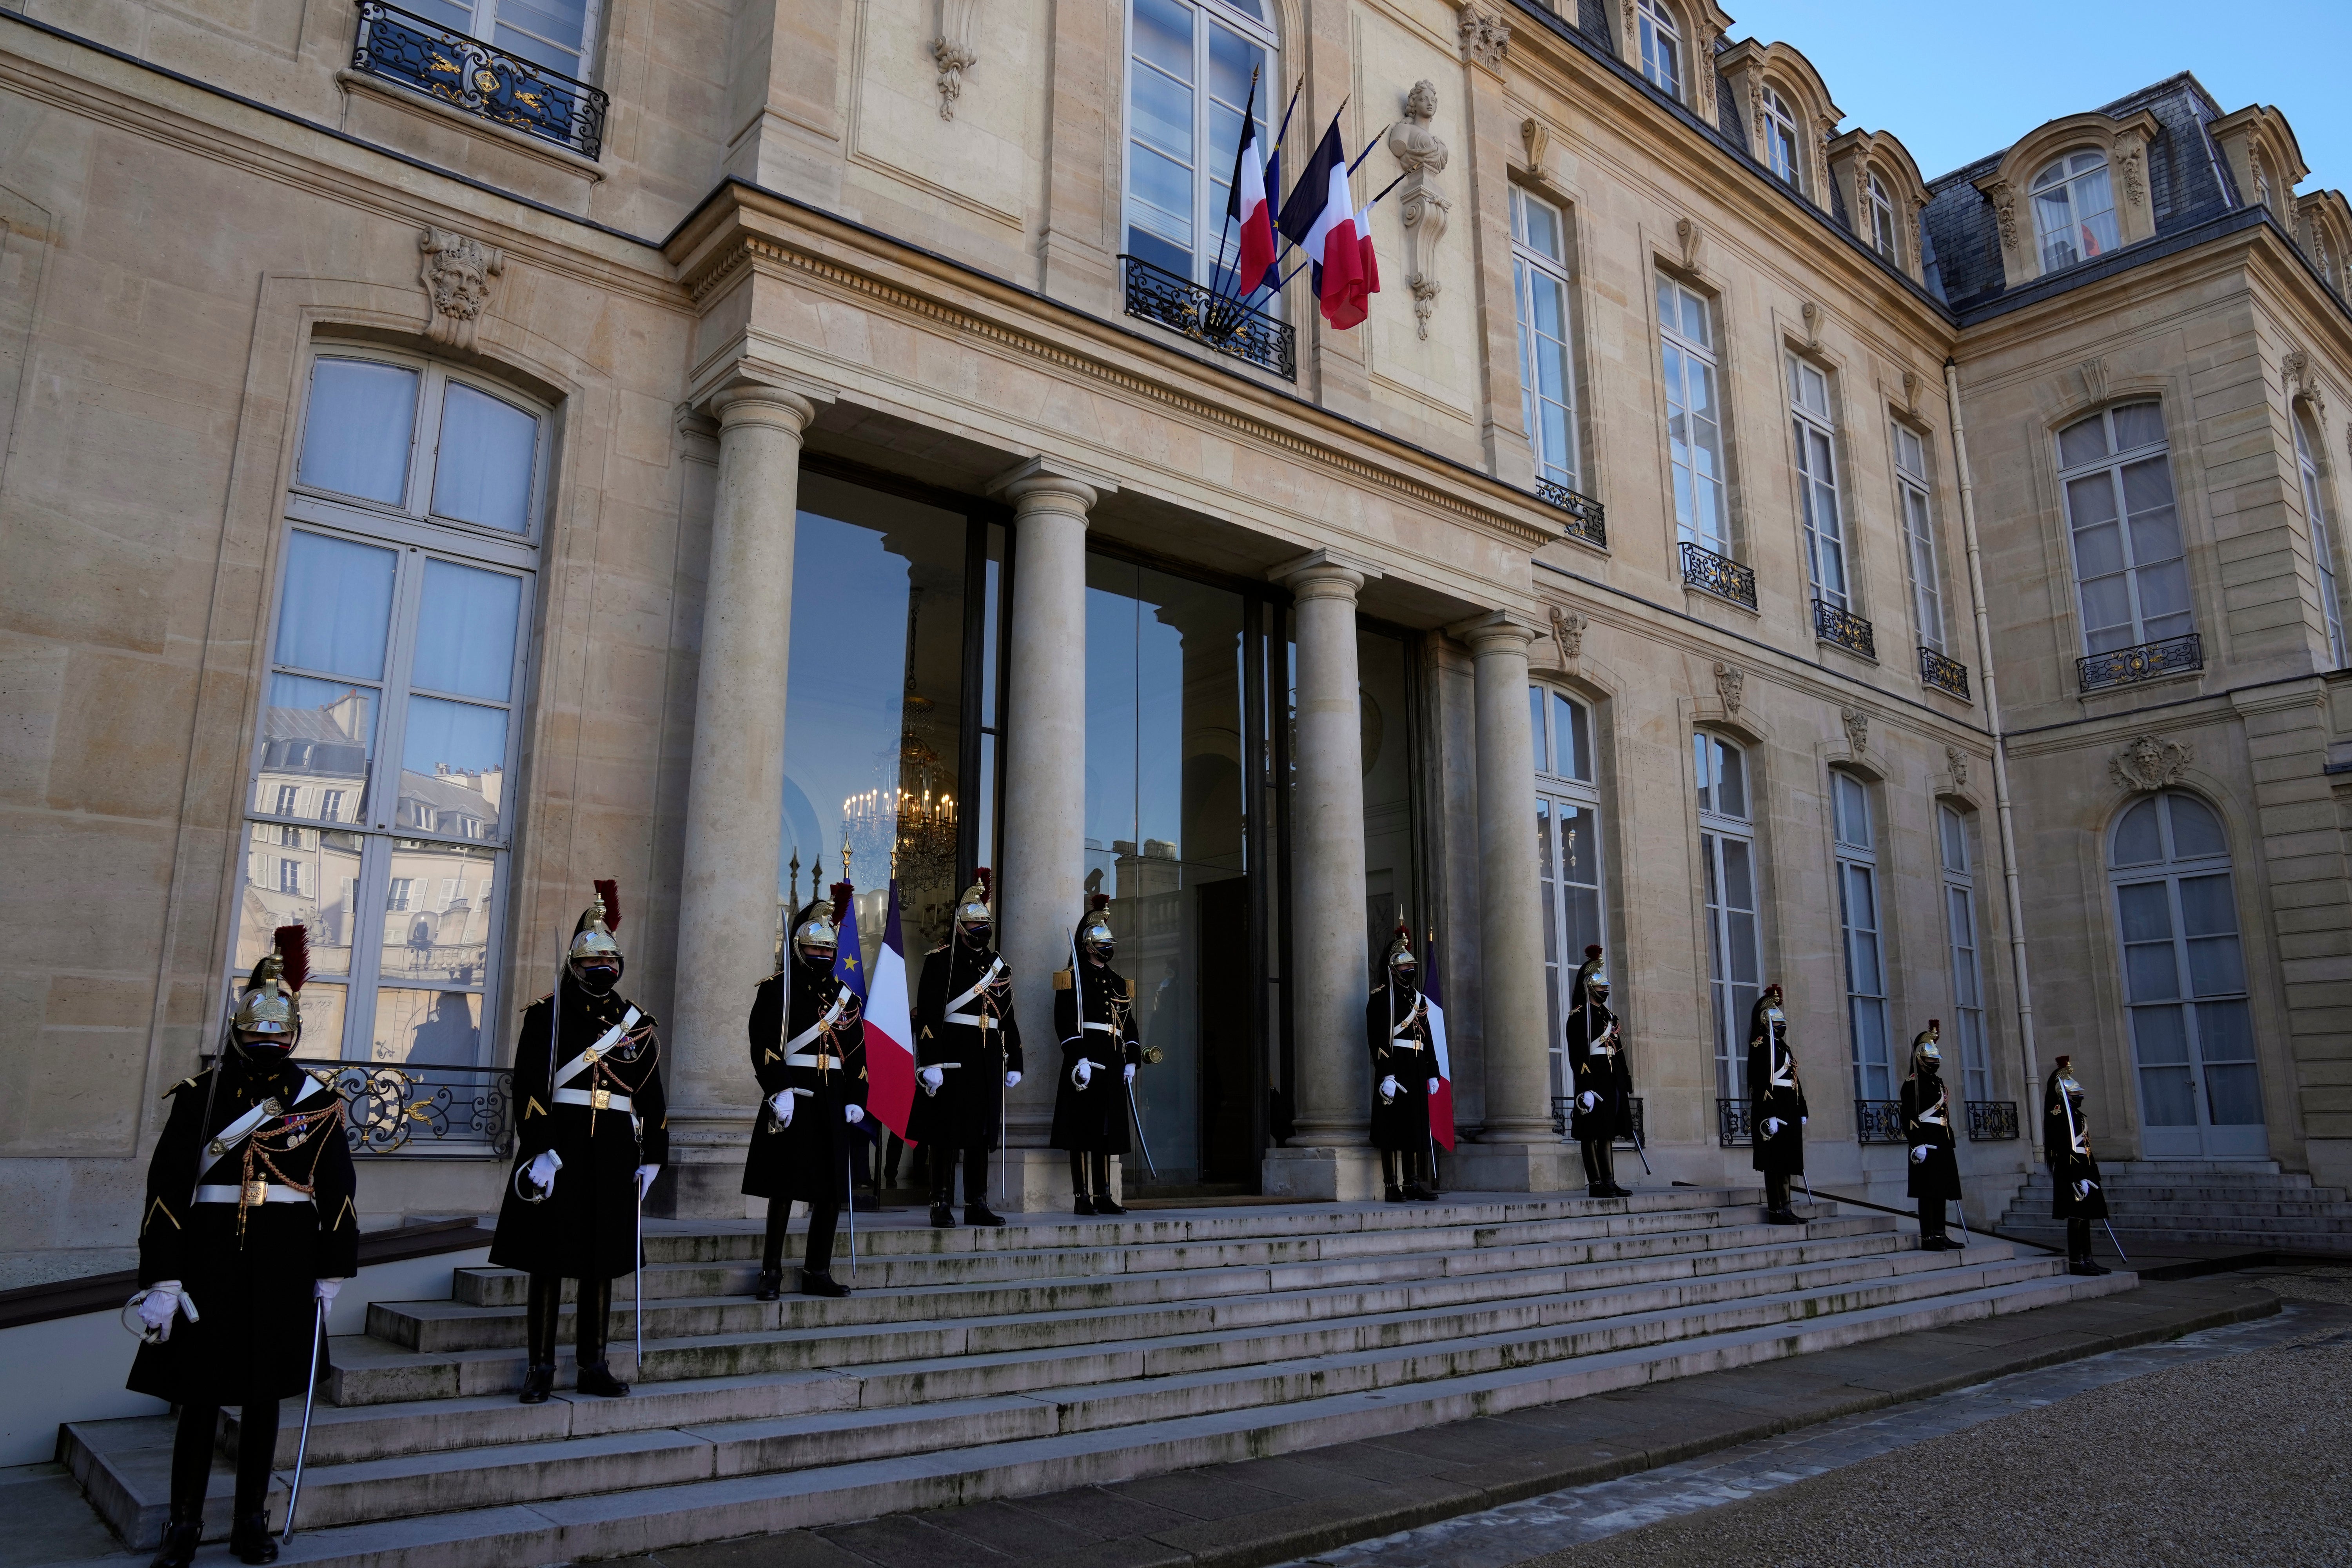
(400, 890)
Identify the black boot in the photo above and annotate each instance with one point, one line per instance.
(975, 1190)
(1104, 1202)
(539, 1315)
(593, 1314)
(769, 1285)
(192, 1469)
(816, 1282)
(1609, 1169)
(1081, 1196)
(249, 1538)
(181, 1536)
(256, 1448)
(816, 1263)
(943, 1195)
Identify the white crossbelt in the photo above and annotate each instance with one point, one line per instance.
(231, 1194)
(832, 1017)
(236, 1132)
(1602, 1048)
(995, 968)
(588, 1097)
(1934, 1114)
(604, 1042)
(1784, 1070)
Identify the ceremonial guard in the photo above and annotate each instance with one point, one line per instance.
(248, 1232)
(1600, 1078)
(1404, 1075)
(1776, 1105)
(593, 1132)
(2076, 1195)
(967, 1054)
(1927, 1128)
(808, 1051)
(1094, 1010)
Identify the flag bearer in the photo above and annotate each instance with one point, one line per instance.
(1928, 1129)
(1600, 1080)
(1404, 1073)
(967, 1054)
(1094, 1008)
(1776, 1105)
(593, 1132)
(808, 1051)
(249, 1231)
(2077, 1197)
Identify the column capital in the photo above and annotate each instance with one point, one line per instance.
(747, 389)
(1325, 575)
(1503, 631)
(1042, 481)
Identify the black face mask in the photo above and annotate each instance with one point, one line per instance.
(975, 933)
(597, 981)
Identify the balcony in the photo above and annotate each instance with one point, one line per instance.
(470, 76)
(419, 1107)
(1212, 319)
(1718, 575)
(1992, 1121)
(1843, 629)
(1585, 518)
(1563, 1106)
(1731, 1123)
(1949, 675)
(2147, 661)
(1878, 1122)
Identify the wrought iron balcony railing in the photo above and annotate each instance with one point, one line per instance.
(414, 1106)
(1731, 1123)
(1944, 674)
(1586, 519)
(1878, 1122)
(1564, 1105)
(1718, 575)
(1210, 318)
(2147, 661)
(1992, 1121)
(1849, 631)
(468, 74)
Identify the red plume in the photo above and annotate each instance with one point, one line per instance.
(610, 891)
(293, 945)
(841, 895)
(1097, 901)
(987, 880)
(1593, 951)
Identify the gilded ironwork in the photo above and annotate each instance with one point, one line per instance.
(1878, 1122)
(1992, 1121)
(2144, 661)
(1586, 519)
(390, 1107)
(1210, 318)
(1943, 674)
(1833, 624)
(468, 74)
(1731, 1123)
(1564, 1105)
(1718, 575)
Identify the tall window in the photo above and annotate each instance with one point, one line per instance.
(2129, 564)
(1188, 76)
(1781, 138)
(1661, 47)
(1967, 971)
(1881, 219)
(558, 33)
(1816, 438)
(1694, 421)
(2322, 542)
(394, 688)
(1546, 383)
(1727, 847)
(2185, 980)
(1568, 848)
(1858, 918)
(2074, 210)
(1919, 535)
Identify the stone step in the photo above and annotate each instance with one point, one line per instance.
(2200, 1191)
(2288, 1234)
(2335, 1214)
(575, 1526)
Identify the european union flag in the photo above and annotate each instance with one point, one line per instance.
(848, 963)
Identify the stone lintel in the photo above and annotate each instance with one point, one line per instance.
(1497, 624)
(1324, 563)
(1039, 472)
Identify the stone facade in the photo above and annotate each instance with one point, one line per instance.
(886, 236)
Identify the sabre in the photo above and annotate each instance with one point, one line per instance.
(638, 1274)
(1645, 1158)
(1964, 1237)
(853, 1213)
(302, 1448)
(2111, 1237)
(1145, 1142)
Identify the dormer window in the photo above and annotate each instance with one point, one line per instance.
(1781, 138)
(2074, 210)
(1881, 219)
(1661, 47)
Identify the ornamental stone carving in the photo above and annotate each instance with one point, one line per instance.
(1857, 728)
(1911, 383)
(1567, 631)
(2093, 373)
(1421, 208)
(456, 270)
(1813, 324)
(1688, 234)
(2127, 158)
(1484, 40)
(2004, 207)
(2302, 385)
(1959, 762)
(2149, 764)
(1730, 684)
(1536, 137)
(951, 51)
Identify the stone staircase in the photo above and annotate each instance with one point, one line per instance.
(2248, 1202)
(974, 1365)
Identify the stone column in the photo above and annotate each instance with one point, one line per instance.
(1332, 1155)
(1042, 864)
(1516, 1151)
(727, 893)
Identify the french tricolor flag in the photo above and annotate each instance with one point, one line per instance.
(1247, 205)
(1441, 1104)
(889, 1029)
(1320, 219)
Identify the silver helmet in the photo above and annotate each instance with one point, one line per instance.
(817, 937)
(973, 917)
(1926, 1054)
(270, 1014)
(591, 935)
(1592, 980)
(1094, 938)
(1400, 960)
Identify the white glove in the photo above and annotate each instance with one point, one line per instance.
(1804, 1121)
(932, 1077)
(780, 1102)
(646, 1175)
(326, 1290)
(162, 1302)
(1011, 1080)
(1432, 1086)
(1919, 1152)
(2083, 1189)
(543, 1169)
(853, 1114)
(1082, 1074)
(1129, 1075)
(1587, 1101)
(1772, 1125)
(1389, 1090)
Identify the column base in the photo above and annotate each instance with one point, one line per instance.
(1037, 1181)
(1530, 1167)
(1324, 1173)
(702, 1189)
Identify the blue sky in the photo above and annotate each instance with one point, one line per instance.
(1956, 82)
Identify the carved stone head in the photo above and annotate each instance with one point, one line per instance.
(456, 271)
(1421, 103)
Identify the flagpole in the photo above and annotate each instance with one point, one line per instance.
(1234, 188)
(1368, 206)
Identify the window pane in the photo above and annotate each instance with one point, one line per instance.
(2215, 967)
(2083, 442)
(2147, 486)
(1955, 839)
(355, 441)
(484, 470)
(337, 612)
(316, 739)
(2233, 1094)
(1731, 791)
(561, 22)
(2139, 425)
(1160, 197)
(2196, 831)
(299, 875)
(1738, 875)
(437, 927)
(2137, 842)
(1163, 114)
(1542, 230)
(1163, 34)
(466, 631)
(2149, 971)
(436, 1026)
(2147, 911)
(2207, 908)
(1536, 727)
(1569, 725)
(453, 768)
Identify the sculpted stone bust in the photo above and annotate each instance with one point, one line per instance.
(1415, 146)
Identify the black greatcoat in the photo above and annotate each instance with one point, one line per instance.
(587, 1227)
(2067, 1148)
(1093, 1120)
(968, 1111)
(1396, 1032)
(1782, 1153)
(1927, 1120)
(825, 1072)
(1606, 1073)
(250, 1283)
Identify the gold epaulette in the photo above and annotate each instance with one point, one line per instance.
(183, 1083)
(1062, 978)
